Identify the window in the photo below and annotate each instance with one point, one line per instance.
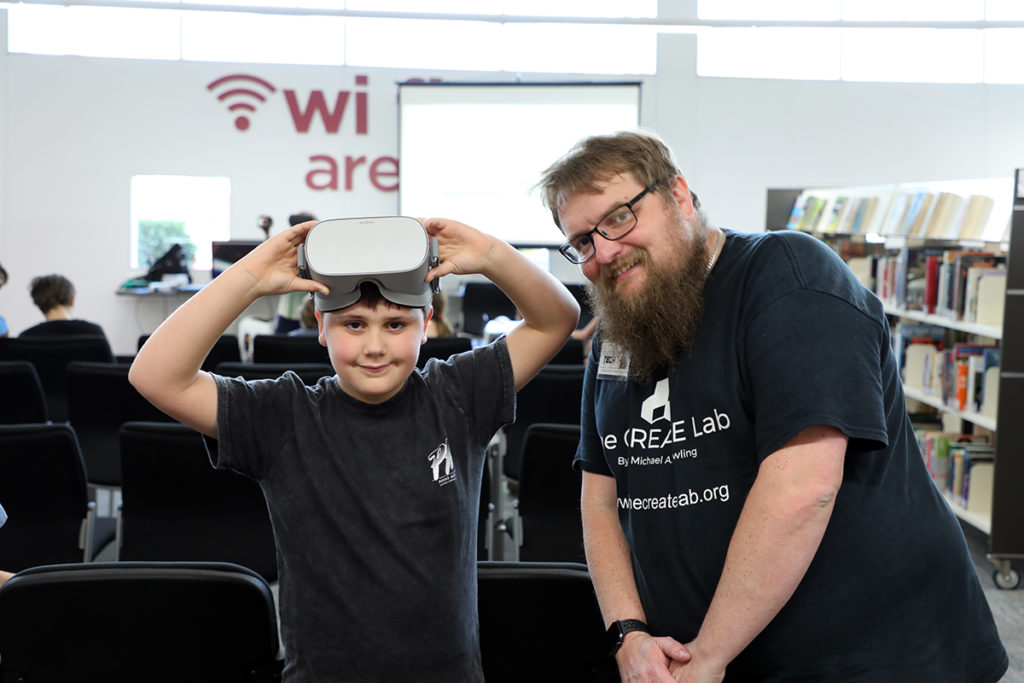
(188, 210)
(294, 38)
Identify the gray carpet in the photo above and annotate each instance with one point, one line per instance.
(1007, 606)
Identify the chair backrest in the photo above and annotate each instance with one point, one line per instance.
(483, 301)
(225, 349)
(177, 507)
(282, 348)
(571, 353)
(100, 400)
(51, 356)
(554, 395)
(125, 622)
(550, 524)
(310, 373)
(22, 399)
(521, 639)
(442, 348)
(43, 489)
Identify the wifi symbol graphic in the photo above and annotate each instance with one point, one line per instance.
(244, 92)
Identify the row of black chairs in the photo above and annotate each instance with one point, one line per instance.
(125, 622)
(175, 506)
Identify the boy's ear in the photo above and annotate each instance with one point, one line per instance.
(320, 327)
(426, 319)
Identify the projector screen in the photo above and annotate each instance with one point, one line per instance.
(474, 152)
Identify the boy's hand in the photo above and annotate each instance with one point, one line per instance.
(463, 250)
(272, 267)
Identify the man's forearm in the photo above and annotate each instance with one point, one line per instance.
(780, 528)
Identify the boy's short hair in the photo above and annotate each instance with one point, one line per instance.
(600, 157)
(370, 296)
(50, 291)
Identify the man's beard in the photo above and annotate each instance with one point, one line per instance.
(654, 325)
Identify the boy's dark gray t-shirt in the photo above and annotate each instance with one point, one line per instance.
(374, 509)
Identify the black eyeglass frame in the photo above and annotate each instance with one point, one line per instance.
(567, 246)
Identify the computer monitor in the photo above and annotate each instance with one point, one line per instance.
(225, 253)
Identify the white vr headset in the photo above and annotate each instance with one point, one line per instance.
(393, 252)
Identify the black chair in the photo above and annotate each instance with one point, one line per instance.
(481, 302)
(177, 507)
(554, 395)
(126, 622)
(282, 348)
(225, 349)
(22, 399)
(51, 356)
(100, 400)
(44, 491)
(520, 640)
(571, 353)
(442, 348)
(310, 373)
(549, 526)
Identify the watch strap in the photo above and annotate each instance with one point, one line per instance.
(618, 629)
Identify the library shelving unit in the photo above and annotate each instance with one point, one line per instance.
(877, 229)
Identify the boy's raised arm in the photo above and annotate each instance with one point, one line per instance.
(166, 369)
(549, 311)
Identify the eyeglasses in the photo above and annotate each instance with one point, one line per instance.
(614, 226)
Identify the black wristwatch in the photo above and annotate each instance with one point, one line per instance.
(618, 630)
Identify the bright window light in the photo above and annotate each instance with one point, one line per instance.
(1004, 55)
(522, 8)
(778, 10)
(188, 210)
(1004, 10)
(424, 44)
(769, 53)
(268, 38)
(93, 31)
(912, 55)
(564, 48)
(913, 10)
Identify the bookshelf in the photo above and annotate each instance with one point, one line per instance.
(925, 248)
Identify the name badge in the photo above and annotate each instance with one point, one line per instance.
(614, 362)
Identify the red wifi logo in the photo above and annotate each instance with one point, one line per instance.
(244, 92)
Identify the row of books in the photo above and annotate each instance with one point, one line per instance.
(952, 210)
(961, 465)
(963, 376)
(961, 285)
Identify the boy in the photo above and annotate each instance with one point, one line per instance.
(373, 476)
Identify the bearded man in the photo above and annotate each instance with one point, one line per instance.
(755, 506)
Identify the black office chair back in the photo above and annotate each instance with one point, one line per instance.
(550, 524)
(44, 491)
(225, 350)
(282, 348)
(126, 622)
(100, 400)
(310, 373)
(554, 395)
(442, 348)
(519, 639)
(571, 353)
(51, 356)
(481, 302)
(176, 506)
(22, 399)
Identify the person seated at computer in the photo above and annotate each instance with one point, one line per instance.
(54, 295)
(307, 321)
(4, 331)
(438, 325)
(289, 306)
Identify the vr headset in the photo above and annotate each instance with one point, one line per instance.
(393, 252)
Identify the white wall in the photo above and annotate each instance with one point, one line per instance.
(74, 130)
